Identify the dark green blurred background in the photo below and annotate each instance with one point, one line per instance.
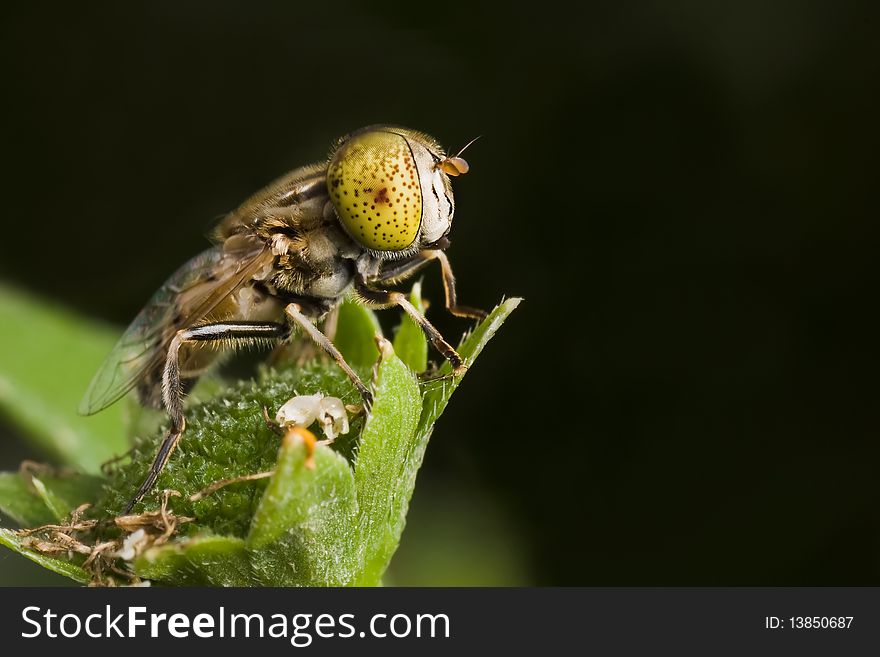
(684, 195)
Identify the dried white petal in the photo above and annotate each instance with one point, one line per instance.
(334, 417)
(132, 545)
(300, 411)
(303, 410)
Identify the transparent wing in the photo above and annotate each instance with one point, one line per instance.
(191, 293)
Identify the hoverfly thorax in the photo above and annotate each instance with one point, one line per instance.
(391, 190)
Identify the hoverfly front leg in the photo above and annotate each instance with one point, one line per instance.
(235, 334)
(449, 287)
(385, 298)
(295, 314)
(407, 268)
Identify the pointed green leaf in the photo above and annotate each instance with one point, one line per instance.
(65, 492)
(356, 332)
(55, 505)
(304, 518)
(47, 357)
(437, 391)
(32, 500)
(198, 561)
(61, 566)
(20, 501)
(410, 344)
(303, 526)
(384, 473)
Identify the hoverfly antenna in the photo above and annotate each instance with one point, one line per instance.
(456, 165)
(467, 145)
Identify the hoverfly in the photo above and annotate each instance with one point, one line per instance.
(377, 211)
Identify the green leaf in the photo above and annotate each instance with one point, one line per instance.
(410, 344)
(47, 357)
(437, 391)
(336, 523)
(356, 331)
(20, 501)
(385, 470)
(227, 437)
(32, 501)
(65, 492)
(299, 531)
(61, 566)
(198, 561)
(55, 505)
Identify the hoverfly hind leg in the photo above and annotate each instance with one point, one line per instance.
(168, 444)
(230, 334)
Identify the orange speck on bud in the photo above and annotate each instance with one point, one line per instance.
(294, 434)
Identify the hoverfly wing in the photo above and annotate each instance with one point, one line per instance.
(191, 293)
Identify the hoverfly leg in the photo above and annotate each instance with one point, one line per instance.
(168, 444)
(294, 313)
(231, 334)
(407, 268)
(449, 287)
(384, 299)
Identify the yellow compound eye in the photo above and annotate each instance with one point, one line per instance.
(374, 186)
